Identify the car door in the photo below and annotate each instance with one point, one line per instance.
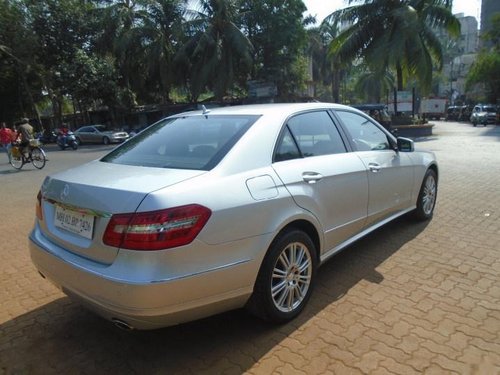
(312, 161)
(85, 133)
(390, 173)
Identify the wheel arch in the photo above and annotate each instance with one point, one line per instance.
(434, 167)
(308, 228)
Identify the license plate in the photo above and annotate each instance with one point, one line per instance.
(74, 221)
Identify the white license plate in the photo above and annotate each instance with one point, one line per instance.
(74, 221)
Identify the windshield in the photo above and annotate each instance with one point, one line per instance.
(194, 142)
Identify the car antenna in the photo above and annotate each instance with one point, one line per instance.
(205, 110)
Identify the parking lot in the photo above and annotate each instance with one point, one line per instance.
(409, 298)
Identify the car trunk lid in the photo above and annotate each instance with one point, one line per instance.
(78, 203)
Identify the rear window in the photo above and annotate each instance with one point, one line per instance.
(193, 142)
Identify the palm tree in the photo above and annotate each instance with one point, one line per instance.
(122, 37)
(371, 85)
(218, 51)
(399, 34)
(161, 32)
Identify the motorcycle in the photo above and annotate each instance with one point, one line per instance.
(67, 140)
(47, 136)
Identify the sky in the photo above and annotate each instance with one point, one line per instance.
(322, 8)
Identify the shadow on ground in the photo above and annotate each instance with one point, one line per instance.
(63, 337)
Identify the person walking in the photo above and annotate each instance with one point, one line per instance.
(6, 136)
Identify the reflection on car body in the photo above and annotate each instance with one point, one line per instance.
(379, 112)
(205, 212)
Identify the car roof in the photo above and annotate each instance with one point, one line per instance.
(263, 109)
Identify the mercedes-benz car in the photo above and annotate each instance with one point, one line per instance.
(209, 211)
(99, 134)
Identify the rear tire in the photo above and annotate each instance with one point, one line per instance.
(426, 197)
(286, 278)
(16, 161)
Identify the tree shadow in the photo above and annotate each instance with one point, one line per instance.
(61, 336)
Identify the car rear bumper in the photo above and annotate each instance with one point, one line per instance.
(145, 304)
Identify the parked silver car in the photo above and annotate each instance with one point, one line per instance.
(484, 114)
(99, 134)
(209, 211)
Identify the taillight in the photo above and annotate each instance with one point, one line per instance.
(156, 230)
(38, 207)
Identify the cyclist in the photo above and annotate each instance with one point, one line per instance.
(24, 134)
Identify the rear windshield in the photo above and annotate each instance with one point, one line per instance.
(193, 142)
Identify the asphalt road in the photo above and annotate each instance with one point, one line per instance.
(409, 298)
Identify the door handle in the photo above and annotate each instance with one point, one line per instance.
(311, 177)
(374, 167)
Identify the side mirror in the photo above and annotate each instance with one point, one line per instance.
(405, 145)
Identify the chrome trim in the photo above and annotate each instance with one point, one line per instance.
(78, 209)
(125, 281)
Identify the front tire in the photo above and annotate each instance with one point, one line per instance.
(105, 140)
(38, 158)
(286, 278)
(427, 196)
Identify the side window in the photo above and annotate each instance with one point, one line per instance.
(365, 134)
(287, 149)
(316, 134)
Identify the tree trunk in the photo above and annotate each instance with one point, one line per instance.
(27, 90)
(399, 72)
(335, 84)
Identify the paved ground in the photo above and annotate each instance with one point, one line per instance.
(407, 299)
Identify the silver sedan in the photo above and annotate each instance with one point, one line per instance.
(214, 210)
(99, 134)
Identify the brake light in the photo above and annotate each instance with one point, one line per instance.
(38, 206)
(156, 230)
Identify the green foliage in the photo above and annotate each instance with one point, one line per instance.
(395, 34)
(120, 53)
(276, 29)
(373, 86)
(486, 69)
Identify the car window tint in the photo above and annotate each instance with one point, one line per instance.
(316, 134)
(365, 134)
(287, 148)
(193, 142)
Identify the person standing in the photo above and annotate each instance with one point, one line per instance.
(6, 136)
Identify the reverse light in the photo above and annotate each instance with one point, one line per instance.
(156, 230)
(38, 205)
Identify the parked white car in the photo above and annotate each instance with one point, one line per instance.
(483, 114)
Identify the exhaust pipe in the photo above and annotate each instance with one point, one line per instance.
(122, 325)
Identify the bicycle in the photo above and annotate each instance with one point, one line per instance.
(36, 155)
